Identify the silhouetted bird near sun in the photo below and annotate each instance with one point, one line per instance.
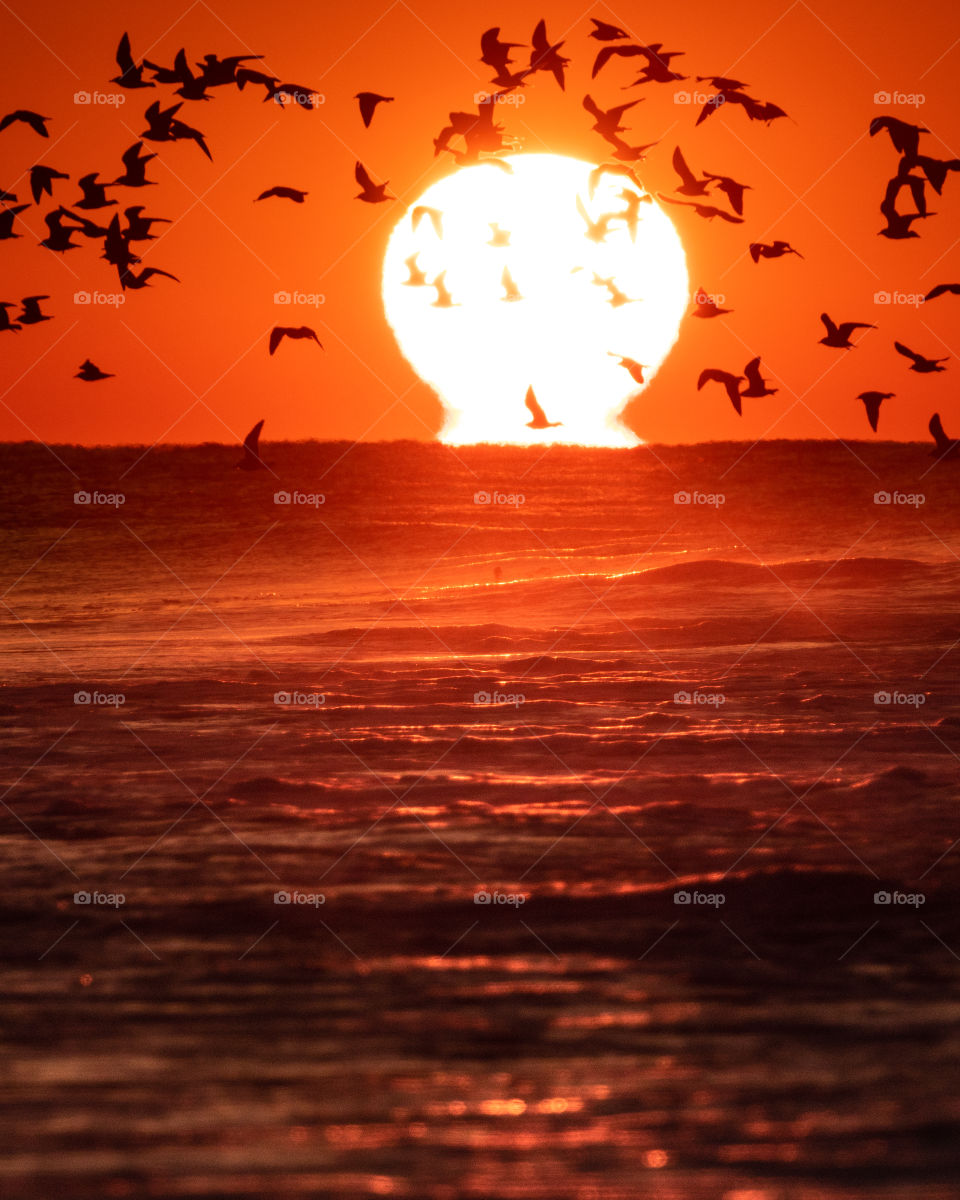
(417, 278)
(284, 193)
(945, 447)
(730, 382)
(597, 230)
(295, 332)
(593, 179)
(922, 365)
(690, 185)
(501, 237)
(704, 306)
(539, 416)
(607, 122)
(373, 193)
(756, 384)
(34, 120)
(512, 292)
(943, 289)
(872, 402)
(838, 336)
(90, 373)
(251, 460)
(444, 299)
(617, 298)
(368, 105)
(547, 57)
(495, 53)
(760, 250)
(731, 189)
(635, 368)
(707, 211)
(435, 215)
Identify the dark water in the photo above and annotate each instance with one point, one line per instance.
(781, 1036)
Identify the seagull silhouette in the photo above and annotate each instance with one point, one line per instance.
(34, 120)
(90, 373)
(547, 57)
(6, 325)
(730, 382)
(945, 447)
(539, 416)
(94, 194)
(607, 122)
(923, 366)
(495, 53)
(606, 33)
(368, 105)
(373, 193)
(31, 314)
(131, 76)
(251, 460)
(129, 279)
(707, 211)
(631, 214)
(417, 278)
(731, 189)
(444, 299)
(838, 336)
(279, 332)
(905, 137)
(690, 185)
(116, 244)
(284, 193)
(756, 384)
(41, 181)
(512, 292)
(872, 402)
(58, 236)
(617, 298)
(596, 230)
(435, 215)
(135, 167)
(703, 306)
(630, 364)
(7, 217)
(138, 227)
(219, 72)
(163, 127)
(936, 170)
(501, 237)
(760, 250)
(943, 289)
(593, 180)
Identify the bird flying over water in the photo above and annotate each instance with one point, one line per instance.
(251, 460)
(838, 336)
(373, 193)
(945, 447)
(730, 382)
(539, 416)
(368, 105)
(279, 332)
(872, 402)
(922, 365)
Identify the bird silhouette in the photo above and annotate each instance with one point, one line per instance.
(116, 245)
(7, 218)
(41, 181)
(760, 250)
(635, 368)
(31, 314)
(279, 332)
(90, 373)
(943, 289)
(131, 76)
(704, 306)
(501, 237)
(593, 180)
(631, 214)
(219, 72)
(417, 278)
(135, 167)
(617, 298)
(373, 193)
(936, 170)
(444, 299)
(138, 227)
(251, 460)
(368, 105)
(838, 336)
(34, 120)
(164, 127)
(133, 281)
(597, 230)
(295, 94)
(606, 122)
(945, 447)
(6, 325)
(94, 194)
(731, 189)
(284, 193)
(755, 109)
(435, 215)
(872, 402)
(84, 225)
(495, 53)
(246, 75)
(707, 211)
(547, 57)
(191, 87)
(756, 384)
(59, 236)
(905, 137)
(730, 382)
(657, 68)
(539, 416)
(923, 366)
(690, 185)
(606, 33)
(723, 83)
(511, 291)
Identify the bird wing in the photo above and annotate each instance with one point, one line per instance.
(729, 217)
(534, 406)
(752, 372)
(849, 326)
(276, 337)
(362, 176)
(124, 57)
(681, 168)
(907, 352)
(251, 442)
(367, 105)
(758, 250)
(608, 52)
(593, 108)
(828, 325)
(942, 289)
(872, 405)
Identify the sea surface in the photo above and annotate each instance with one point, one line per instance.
(684, 719)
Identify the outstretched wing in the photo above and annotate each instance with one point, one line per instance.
(362, 176)
(942, 289)
(534, 406)
(609, 51)
(906, 352)
(124, 57)
(251, 443)
(277, 335)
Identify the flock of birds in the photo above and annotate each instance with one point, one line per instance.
(470, 138)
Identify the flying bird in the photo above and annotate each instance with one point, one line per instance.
(116, 246)
(631, 214)
(923, 366)
(131, 76)
(511, 291)
(704, 306)
(219, 72)
(501, 237)
(539, 416)
(284, 193)
(444, 299)
(373, 193)
(657, 69)
(777, 249)
(90, 373)
(606, 33)
(707, 211)
(135, 167)
(755, 109)
(368, 105)
(251, 460)
(435, 215)
(41, 181)
(936, 170)
(606, 122)
(164, 127)
(94, 194)
(138, 227)
(730, 382)
(34, 120)
(617, 298)
(6, 325)
(296, 94)
(279, 332)
(943, 289)
(905, 137)
(945, 447)
(690, 185)
(838, 336)
(596, 230)
(58, 236)
(417, 278)
(7, 218)
(544, 57)
(192, 87)
(872, 402)
(731, 189)
(495, 53)
(756, 384)
(31, 314)
(630, 364)
(611, 169)
(129, 279)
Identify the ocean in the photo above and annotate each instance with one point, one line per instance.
(484, 822)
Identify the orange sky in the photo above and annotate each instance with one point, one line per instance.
(190, 359)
